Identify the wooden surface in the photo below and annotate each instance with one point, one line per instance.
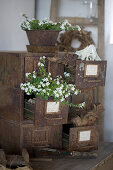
(102, 162)
(44, 119)
(54, 10)
(78, 21)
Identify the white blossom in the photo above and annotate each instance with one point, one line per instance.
(40, 64)
(34, 76)
(27, 74)
(43, 85)
(78, 27)
(47, 83)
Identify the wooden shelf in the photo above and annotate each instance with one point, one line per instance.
(79, 21)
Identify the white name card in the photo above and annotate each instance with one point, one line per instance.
(91, 70)
(85, 135)
(53, 107)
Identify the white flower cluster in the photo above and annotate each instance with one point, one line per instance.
(78, 27)
(66, 74)
(65, 25)
(34, 24)
(46, 21)
(45, 86)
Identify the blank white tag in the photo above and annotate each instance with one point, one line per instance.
(52, 107)
(85, 135)
(91, 70)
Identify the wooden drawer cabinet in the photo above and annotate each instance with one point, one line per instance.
(16, 131)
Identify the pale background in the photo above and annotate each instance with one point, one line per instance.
(13, 38)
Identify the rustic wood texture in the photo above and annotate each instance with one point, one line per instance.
(55, 69)
(31, 64)
(82, 81)
(43, 119)
(102, 162)
(54, 10)
(90, 118)
(48, 136)
(65, 44)
(10, 136)
(12, 74)
(77, 68)
(42, 37)
(41, 49)
(78, 21)
(74, 139)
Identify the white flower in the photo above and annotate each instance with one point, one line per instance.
(73, 88)
(66, 74)
(58, 82)
(76, 92)
(28, 93)
(34, 76)
(62, 99)
(22, 88)
(47, 83)
(27, 74)
(40, 64)
(26, 90)
(45, 79)
(40, 58)
(66, 95)
(62, 27)
(49, 74)
(78, 27)
(44, 57)
(44, 90)
(47, 93)
(40, 23)
(57, 95)
(43, 85)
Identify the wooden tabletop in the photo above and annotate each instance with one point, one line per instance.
(105, 155)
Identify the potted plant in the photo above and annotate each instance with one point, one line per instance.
(45, 32)
(52, 95)
(42, 85)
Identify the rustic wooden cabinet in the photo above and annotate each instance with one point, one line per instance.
(16, 132)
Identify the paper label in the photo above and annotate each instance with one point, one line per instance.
(52, 107)
(85, 135)
(91, 70)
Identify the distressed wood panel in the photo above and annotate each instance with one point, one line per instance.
(11, 70)
(78, 21)
(10, 136)
(48, 136)
(11, 104)
(55, 68)
(43, 119)
(83, 81)
(84, 143)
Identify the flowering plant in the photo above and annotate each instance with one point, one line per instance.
(43, 85)
(46, 24)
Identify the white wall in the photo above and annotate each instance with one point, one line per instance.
(68, 8)
(43, 9)
(108, 118)
(77, 8)
(11, 36)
